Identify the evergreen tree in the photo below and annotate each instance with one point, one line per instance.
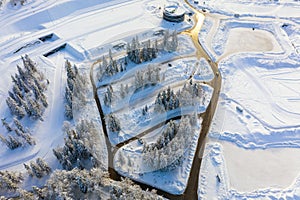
(44, 100)
(68, 96)
(113, 123)
(15, 108)
(70, 72)
(36, 170)
(6, 125)
(30, 63)
(35, 109)
(22, 74)
(19, 125)
(13, 142)
(12, 96)
(108, 96)
(9, 181)
(17, 90)
(122, 91)
(68, 112)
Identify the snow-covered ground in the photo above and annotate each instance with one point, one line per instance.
(253, 146)
(83, 26)
(129, 109)
(248, 8)
(133, 122)
(50, 129)
(115, 21)
(84, 30)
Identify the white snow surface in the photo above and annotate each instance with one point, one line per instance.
(254, 140)
(84, 26)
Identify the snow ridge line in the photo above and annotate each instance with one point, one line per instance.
(276, 139)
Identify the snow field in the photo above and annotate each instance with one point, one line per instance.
(261, 169)
(263, 9)
(276, 88)
(219, 181)
(253, 146)
(239, 36)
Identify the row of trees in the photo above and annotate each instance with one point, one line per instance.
(113, 123)
(171, 146)
(39, 168)
(142, 52)
(167, 136)
(188, 96)
(21, 137)
(27, 97)
(76, 88)
(137, 52)
(142, 78)
(149, 76)
(166, 100)
(87, 184)
(9, 181)
(110, 66)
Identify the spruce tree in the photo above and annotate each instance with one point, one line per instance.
(6, 125)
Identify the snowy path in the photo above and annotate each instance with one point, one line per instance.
(51, 127)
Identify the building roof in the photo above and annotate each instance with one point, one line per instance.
(173, 10)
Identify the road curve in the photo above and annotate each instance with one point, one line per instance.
(192, 186)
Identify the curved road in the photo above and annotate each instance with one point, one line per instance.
(192, 186)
